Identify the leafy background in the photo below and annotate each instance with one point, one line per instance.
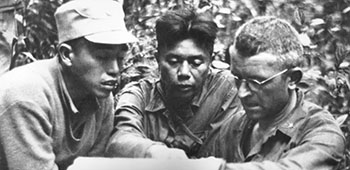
(324, 27)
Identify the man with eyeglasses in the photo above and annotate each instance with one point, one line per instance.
(279, 130)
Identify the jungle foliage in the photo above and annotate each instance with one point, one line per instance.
(324, 28)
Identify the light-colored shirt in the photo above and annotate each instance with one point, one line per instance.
(40, 127)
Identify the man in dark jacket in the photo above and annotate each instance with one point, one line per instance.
(173, 115)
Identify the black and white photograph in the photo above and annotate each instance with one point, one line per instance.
(174, 85)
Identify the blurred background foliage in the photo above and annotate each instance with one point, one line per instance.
(324, 28)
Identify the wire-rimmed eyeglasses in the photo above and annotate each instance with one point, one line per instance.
(254, 84)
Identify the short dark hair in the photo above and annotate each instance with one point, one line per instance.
(272, 35)
(180, 24)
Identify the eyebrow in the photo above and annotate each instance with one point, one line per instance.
(181, 56)
(255, 77)
(196, 56)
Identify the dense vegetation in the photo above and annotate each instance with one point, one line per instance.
(323, 25)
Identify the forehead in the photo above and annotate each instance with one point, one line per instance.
(185, 48)
(261, 62)
(107, 47)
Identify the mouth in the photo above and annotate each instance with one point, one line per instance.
(251, 106)
(110, 84)
(184, 88)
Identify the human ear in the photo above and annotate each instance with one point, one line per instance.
(295, 75)
(65, 52)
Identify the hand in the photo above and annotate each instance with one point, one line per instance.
(163, 152)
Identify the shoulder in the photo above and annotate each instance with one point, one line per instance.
(136, 92)
(143, 84)
(305, 110)
(319, 126)
(221, 79)
(221, 75)
(317, 114)
(29, 79)
(42, 70)
(234, 122)
(221, 84)
(316, 122)
(30, 83)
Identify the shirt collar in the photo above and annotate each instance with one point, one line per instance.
(156, 98)
(205, 89)
(287, 126)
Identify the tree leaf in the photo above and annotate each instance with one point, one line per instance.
(317, 21)
(299, 17)
(341, 119)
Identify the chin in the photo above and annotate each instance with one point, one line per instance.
(253, 115)
(180, 100)
(102, 94)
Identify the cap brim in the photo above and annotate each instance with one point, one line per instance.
(112, 37)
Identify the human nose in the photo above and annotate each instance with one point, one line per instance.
(113, 68)
(184, 71)
(243, 90)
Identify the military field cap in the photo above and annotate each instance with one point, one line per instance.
(99, 21)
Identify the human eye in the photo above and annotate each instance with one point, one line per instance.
(196, 62)
(173, 60)
(254, 83)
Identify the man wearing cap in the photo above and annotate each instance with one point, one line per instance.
(55, 110)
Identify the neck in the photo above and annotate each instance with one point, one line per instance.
(184, 111)
(75, 90)
(180, 107)
(172, 101)
(267, 124)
